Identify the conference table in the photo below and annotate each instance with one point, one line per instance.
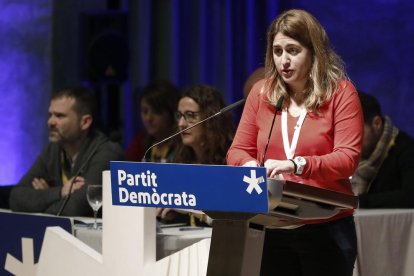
(385, 241)
(170, 238)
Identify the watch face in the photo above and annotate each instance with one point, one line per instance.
(301, 161)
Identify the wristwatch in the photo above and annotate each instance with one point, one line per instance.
(300, 164)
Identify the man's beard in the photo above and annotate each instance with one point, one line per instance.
(54, 136)
(369, 150)
(58, 138)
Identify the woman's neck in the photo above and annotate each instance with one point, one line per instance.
(198, 154)
(298, 98)
(297, 93)
(297, 103)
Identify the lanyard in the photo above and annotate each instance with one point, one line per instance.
(290, 149)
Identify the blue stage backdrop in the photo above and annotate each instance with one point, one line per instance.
(216, 42)
(25, 31)
(220, 42)
(376, 40)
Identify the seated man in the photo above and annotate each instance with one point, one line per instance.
(384, 177)
(76, 155)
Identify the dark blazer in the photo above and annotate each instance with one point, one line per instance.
(94, 156)
(393, 186)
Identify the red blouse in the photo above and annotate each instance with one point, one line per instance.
(330, 141)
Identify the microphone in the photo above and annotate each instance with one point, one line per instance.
(78, 173)
(277, 109)
(223, 110)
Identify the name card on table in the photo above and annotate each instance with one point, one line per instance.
(185, 186)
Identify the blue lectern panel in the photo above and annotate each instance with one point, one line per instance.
(15, 226)
(201, 187)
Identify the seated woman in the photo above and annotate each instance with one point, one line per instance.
(157, 103)
(206, 143)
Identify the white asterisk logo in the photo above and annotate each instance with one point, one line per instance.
(253, 182)
(25, 268)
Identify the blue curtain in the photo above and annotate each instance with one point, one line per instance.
(220, 42)
(214, 42)
(24, 84)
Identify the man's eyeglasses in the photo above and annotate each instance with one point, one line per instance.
(189, 116)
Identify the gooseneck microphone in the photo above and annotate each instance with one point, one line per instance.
(223, 110)
(277, 109)
(78, 173)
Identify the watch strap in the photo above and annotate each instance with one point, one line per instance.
(294, 165)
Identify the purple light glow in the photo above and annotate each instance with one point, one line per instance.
(25, 79)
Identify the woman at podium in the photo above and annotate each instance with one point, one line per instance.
(304, 123)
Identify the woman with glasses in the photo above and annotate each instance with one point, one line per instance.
(206, 143)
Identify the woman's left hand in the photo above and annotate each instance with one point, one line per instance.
(275, 167)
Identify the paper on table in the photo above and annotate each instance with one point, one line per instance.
(189, 211)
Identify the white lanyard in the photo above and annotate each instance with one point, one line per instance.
(290, 149)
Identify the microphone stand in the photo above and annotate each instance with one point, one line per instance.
(72, 181)
(78, 173)
(277, 109)
(223, 110)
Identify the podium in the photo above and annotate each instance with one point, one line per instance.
(238, 238)
(241, 200)
(240, 215)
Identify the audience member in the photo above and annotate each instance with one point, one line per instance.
(316, 140)
(384, 177)
(76, 155)
(157, 103)
(254, 77)
(206, 143)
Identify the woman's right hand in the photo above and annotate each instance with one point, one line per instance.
(275, 167)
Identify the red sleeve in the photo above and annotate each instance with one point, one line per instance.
(244, 146)
(135, 150)
(330, 140)
(347, 119)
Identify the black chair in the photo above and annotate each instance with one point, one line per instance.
(4, 196)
